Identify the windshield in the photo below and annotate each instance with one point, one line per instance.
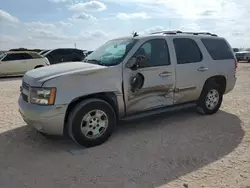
(2, 56)
(111, 53)
(43, 52)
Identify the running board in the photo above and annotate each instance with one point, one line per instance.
(160, 110)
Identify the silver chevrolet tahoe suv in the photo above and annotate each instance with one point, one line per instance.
(128, 78)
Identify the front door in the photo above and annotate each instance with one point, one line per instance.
(159, 78)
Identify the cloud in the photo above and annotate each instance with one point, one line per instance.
(153, 29)
(192, 27)
(65, 24)
(138, 15)
(58, 1)
(41, 25)
(96, 34)
(91, 6)
(45, 34)
(5, 17)
(83, 16)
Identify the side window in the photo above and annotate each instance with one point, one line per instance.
(26, 56)
(187, 51)
(156, 50)
(8, 57)
(217, 48)
(60, 52)
(12, 57)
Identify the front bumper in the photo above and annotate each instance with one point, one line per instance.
(47, 119)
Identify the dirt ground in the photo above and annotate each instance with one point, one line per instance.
(180, 149)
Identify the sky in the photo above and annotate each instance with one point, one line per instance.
(48, 24)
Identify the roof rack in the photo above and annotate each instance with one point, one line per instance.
(177, 32)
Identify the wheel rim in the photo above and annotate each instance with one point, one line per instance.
(94, 124)
(212, 99)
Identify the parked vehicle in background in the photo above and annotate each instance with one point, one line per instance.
(61, 55)
(126, 78)
(236, 49)
(87, 53)
(43, 52)
(243, 56)
(18, 62)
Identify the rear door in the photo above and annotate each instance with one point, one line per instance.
(54, 56)
(191, 68)
(27, 62)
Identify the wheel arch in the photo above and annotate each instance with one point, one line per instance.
(38, 66)
(218, 79)
(109, 97)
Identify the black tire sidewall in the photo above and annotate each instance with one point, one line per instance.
(79, 113)
(202, 100)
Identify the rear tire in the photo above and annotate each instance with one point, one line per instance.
(210, 99)
(91, 122)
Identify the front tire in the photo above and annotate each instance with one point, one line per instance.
(210, 99)
(91, 122)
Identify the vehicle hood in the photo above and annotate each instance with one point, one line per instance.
(37, 77)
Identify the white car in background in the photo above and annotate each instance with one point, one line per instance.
(19, 62)
(243, 56)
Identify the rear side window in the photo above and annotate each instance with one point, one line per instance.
(187, 51)
(35, 55)
(26, 56)
(218, 49)
(17, 56)
(13, 57)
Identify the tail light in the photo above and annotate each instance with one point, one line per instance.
(235, 64)
(47, 61)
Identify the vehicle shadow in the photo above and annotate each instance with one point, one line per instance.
(10, 78)
(147, 152)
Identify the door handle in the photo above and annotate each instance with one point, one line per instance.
(165, 74)
(202, 69)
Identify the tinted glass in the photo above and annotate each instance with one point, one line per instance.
(43, 52)
(187, 51)
(35, 55)
(62, 52)
(218, 49)
(13, 57)
(156, 51)
(26, 56)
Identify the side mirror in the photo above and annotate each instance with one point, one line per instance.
(138, 62)
(132, 64)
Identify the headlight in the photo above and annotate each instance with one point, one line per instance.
(44, 96)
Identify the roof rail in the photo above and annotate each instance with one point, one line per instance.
(192, 33)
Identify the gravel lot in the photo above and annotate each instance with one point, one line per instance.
(177, 149)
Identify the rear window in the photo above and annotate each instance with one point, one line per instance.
(35, 55)
(218, 49)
